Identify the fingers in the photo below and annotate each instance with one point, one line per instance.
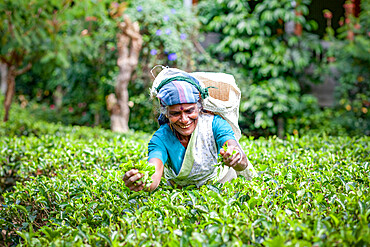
(131, 180)
(231, 150)
(130, 173)
(232, 156)
(233, 159)
(137, 187)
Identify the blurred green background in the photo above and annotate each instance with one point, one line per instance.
(302, 66)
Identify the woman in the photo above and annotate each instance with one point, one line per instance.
(186, 146)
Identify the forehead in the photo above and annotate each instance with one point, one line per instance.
(181, 107)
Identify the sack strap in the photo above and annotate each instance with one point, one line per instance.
(203, 91)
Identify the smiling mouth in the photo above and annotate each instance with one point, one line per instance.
(185, 126)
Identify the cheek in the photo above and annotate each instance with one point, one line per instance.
(194, 115)
(173, 119)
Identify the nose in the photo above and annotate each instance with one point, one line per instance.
(184, 118)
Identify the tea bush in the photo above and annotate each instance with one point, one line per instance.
(63, 186)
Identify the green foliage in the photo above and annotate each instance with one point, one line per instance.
(167, 29)
(92, 69)
(271, 59)
(36, 30)
(143, 112)
(311, 190)
(328, 120)
(90, 74)
(220, 158)
(145, 168)
(351, 62)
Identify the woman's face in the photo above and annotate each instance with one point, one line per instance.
(183, 117)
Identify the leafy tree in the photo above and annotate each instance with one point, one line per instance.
(93, 70)
(349, 55)
(271, 58)
(33, 31)
(168, 31)
(170, 38)
(129, 43)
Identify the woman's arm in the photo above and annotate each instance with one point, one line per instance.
(131, 177)
(239, 160)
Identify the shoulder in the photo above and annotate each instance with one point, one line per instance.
(218, 118)
(219, 121)
(221, 128)
(163, 130)
(161, 134)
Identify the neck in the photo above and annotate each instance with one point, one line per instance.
(184, 140)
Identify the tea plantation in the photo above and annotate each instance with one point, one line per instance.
(62, 186)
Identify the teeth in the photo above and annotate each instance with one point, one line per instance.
(185, 127)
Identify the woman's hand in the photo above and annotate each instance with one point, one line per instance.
(131, 180)
(131, 177)
(234, 156)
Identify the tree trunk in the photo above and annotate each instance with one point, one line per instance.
(10, 81)
(129, 43)
(96, 119)
(58, 97)
(280, 127)
(4, 72)
(10, 91)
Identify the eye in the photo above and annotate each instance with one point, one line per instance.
(189, 111)
(174, 114)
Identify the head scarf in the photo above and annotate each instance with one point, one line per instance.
(178, 92)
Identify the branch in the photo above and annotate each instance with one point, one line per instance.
(24, 70)
(198, 46)
(11, 31)
(4, 60)
(129, 37)
(132, 30)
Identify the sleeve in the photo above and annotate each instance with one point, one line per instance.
(222, 131)
(156, 149)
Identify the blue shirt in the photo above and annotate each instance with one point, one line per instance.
(165, 146)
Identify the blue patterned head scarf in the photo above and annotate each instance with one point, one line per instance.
(178, 92)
